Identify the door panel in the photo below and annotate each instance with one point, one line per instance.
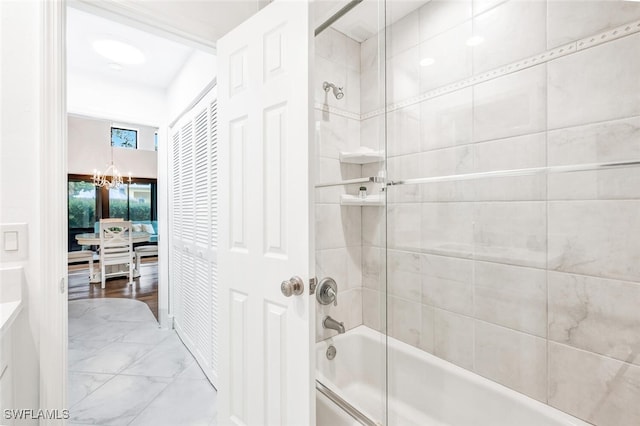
(265, 196)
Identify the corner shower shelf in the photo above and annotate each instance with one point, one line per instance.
(354, 200)
(361, 157)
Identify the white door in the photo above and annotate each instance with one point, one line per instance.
(266, 362)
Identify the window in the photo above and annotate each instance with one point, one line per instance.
(132, 201)
(118, 202)
(140, 201)
(82, 204)
(124, 138)
(136, 201)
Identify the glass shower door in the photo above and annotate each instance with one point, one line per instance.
(350, 214)
(513, 212)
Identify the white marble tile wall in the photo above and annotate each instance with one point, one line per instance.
(601, 390)
(452, 59)
(531, 281)
(565, 25)
(607, 141)
(337, 61)
(511, 32)
(338, 228)
(372, 75)
(595, 85)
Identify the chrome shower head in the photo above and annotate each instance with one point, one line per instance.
(337, 91)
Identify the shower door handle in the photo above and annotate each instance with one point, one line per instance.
(294, 285)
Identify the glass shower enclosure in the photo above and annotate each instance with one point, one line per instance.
(478, 207)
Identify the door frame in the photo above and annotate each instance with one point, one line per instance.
(53, 185)
(53, 238)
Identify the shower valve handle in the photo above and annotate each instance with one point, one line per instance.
(331, 293)
(327, 292)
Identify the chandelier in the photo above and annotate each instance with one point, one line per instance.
(111, 178)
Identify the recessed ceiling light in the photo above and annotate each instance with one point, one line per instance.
(119, 52)
(425, 62)
(475, 40)
(116, 67)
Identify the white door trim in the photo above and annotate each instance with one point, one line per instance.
(53, 194)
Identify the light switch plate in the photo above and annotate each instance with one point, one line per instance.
(13, 242)
(10, 241)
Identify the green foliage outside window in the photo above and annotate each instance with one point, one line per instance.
(82, 205)
(138, 211)
(82, 213)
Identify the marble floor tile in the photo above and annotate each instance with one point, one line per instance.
(111, 331)
(82, 384)
(83, 349)
(119, 400)
(165, 360)
(84, 325)
(183, 402)
(120, 361)
(112, 359)
(146, 335)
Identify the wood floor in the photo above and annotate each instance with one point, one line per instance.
(145, 287)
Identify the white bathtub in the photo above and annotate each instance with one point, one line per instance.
(423, 389)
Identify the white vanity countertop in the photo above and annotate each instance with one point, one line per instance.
(10, 296)
(8, 312)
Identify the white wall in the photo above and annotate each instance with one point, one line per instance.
(199, 70)
(93, 96)
(90, 148)
(20, 195)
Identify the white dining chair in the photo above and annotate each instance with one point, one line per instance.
(116, 248)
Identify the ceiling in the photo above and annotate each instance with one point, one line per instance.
(208, 19)
(164, 58)
(367, 18)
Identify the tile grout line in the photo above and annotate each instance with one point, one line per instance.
(87, 395)
(153, 399)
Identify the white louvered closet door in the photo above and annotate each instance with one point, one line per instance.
(175, 225)
(193, 201)
(187, 288)
(213, 203)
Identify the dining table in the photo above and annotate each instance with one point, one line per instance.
(93, 239)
